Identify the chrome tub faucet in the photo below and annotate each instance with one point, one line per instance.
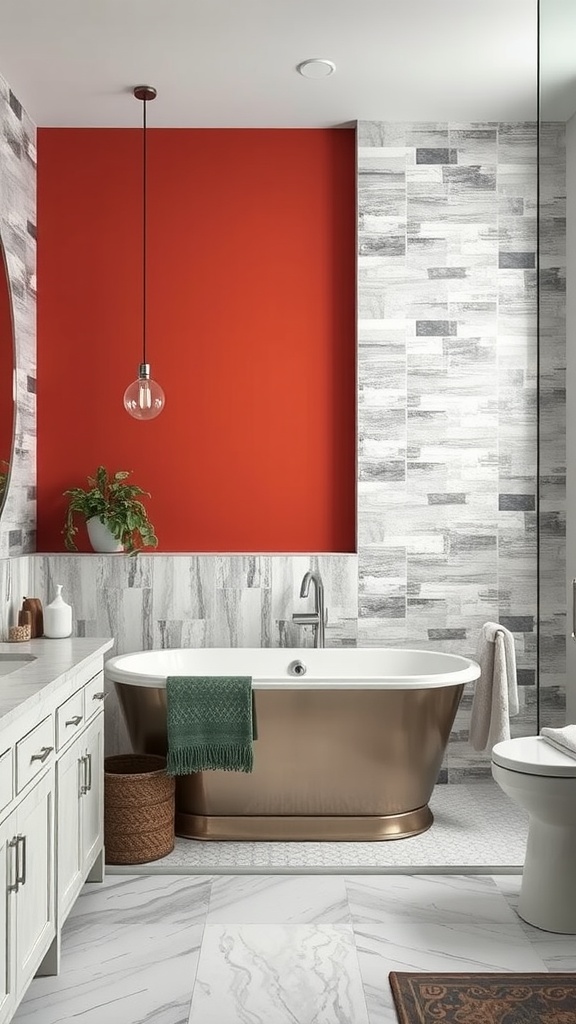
(317, 618)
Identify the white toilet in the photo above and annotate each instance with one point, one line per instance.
(542, 780)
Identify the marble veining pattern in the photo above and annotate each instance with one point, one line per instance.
(279, 899)
(18, 234)
(267, 950)
(275, 974)
(557, 951)
(15, 584)
(129, 954)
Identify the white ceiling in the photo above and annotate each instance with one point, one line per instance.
(231, 63)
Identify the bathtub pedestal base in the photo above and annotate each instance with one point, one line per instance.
(304, 828)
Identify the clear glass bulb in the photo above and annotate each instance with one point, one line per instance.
(144, 398)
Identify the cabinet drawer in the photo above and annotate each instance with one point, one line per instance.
(69, 718)
(5, 778)
(34, 752)
(93, 695)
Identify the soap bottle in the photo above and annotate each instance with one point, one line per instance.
(58, 617)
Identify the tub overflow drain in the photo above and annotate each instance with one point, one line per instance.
(297, 668)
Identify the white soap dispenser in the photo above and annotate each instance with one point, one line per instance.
(58, 617)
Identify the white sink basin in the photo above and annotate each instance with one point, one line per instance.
(12, 662)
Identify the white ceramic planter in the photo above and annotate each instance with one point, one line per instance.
(101, 539)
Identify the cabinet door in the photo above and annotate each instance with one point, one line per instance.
(92, 803)
(69, 776)
(7, 910)
(34, 902)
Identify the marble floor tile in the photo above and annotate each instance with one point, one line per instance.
(130, 950)
(421, 946)
(448, 899)
(278, 899)
(279, 949)
(278, 974)
(557, 951)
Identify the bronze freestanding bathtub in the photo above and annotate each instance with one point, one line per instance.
(348, 750)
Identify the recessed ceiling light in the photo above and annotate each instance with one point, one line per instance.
(317, 67)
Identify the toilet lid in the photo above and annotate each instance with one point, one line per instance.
(534, 756)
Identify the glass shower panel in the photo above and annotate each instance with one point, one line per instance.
(556, 157)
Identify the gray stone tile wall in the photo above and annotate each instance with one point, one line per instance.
(552, 266)
(447, 397)
(18, 234)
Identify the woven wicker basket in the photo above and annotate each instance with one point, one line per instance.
(138, 809)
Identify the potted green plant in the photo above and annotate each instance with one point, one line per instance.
(115, 517)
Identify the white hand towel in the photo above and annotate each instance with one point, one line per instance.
(496, 691)
(563, 739)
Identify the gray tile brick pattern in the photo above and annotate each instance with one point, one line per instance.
(18, 234)
(447, 395)
(552, 422)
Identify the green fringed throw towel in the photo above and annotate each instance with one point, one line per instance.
(209, 724)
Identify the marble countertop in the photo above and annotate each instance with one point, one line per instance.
(55, 662)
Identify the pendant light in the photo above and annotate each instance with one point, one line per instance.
(144, 398)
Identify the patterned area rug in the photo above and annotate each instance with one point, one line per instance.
(484, 998)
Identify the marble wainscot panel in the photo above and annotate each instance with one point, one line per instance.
(447, 394)
(160, 601)
(15, 585)
(18, 233)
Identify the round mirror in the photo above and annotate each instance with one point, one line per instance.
(6, 378)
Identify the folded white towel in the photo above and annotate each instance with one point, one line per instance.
(496, 691)
(563, 739)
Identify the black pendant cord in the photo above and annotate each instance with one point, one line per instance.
(144, 231)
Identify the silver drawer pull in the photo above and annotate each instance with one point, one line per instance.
(13, 845)
(20, 864)
(99, 696)
(88, 772)
(83, 783)
(75, 720)
(46, 751)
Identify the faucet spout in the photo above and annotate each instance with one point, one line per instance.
(317, 618)
(306, 581)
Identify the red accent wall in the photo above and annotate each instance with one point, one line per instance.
(251, 331)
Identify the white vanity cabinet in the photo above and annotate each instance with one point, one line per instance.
(51, 804)
(92, 805)
(32, 882)
(27, 917)
(7, 869)
(80, 802)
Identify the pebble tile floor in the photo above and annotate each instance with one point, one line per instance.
(304, 943)
(475, 826)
